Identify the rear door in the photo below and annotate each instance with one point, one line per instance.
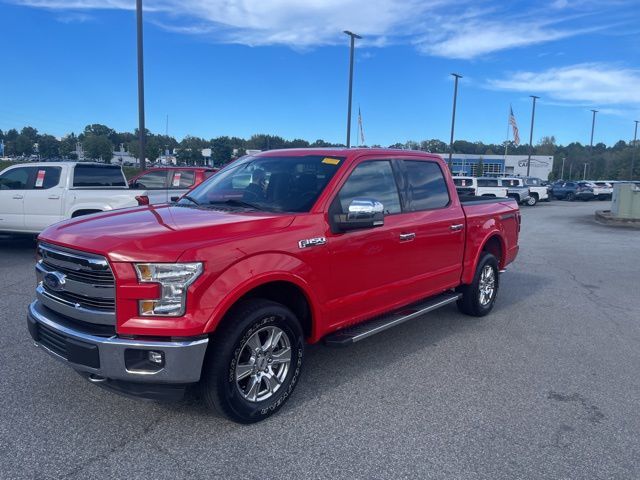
(436, 221)
(13, 185)
(44, 198)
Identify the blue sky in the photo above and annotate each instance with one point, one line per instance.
(238, 67)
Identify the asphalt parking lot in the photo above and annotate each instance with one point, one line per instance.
(547, 386)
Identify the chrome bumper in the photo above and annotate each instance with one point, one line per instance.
(103, 357)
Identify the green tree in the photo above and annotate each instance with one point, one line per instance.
(98, 147)
(68, 146)
(23, 145)
(48, 146)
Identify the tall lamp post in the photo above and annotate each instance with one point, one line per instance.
(635, 146)
(593, 126)
(456, 76)
(562, 171)
(533, 117)
(353, 44)
(141, 129)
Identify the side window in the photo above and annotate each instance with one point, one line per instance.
(14, 179)
(372, 179)
(97, 176)
(153, 180)
(183, 179)
(46, 177)
(426, 187)
(487, 182)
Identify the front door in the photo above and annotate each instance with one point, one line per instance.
(13, 185)
(368, 266)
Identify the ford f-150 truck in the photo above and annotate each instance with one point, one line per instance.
(224, 288)
(36, 195)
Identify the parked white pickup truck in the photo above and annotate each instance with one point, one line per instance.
(479, 186)
(537, 192)
(36, 195)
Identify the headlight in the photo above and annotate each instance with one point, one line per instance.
(174, 280)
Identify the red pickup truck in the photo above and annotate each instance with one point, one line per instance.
(224, 288)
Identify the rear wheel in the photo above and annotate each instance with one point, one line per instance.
(253, 363)
(533, 199)
(479, 297)
(570, 197)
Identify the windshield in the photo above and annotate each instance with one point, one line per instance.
(274, 184)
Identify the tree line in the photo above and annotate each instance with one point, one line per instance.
(99, 142)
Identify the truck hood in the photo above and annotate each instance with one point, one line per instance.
(158, 233)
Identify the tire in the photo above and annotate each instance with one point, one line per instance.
(570, 197)
(470, 303)
(533, 199)
(250, 399)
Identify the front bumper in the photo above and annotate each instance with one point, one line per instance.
(101, 357)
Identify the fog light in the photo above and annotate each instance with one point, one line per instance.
(155, 357)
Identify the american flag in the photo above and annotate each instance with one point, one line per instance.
(360, 125)
(512, 122)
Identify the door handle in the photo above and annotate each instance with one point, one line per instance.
(406, 237)
(54, 197)
(18, 197)
(457, 227)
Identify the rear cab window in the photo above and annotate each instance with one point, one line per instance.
(98, 176)
(487, 182)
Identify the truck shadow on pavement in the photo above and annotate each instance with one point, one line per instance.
(328, 369)
(17, 242)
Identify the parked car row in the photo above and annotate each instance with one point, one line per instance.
(582, 190)
(524, 190)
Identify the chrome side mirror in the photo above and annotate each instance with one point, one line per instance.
(362, 213)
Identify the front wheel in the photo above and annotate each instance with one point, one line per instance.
(253, 363)
(570, 197)
(479, 297)
(532, 200)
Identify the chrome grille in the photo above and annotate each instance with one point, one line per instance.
(76, 284)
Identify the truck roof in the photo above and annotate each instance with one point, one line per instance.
(60, 164)
(342, 151)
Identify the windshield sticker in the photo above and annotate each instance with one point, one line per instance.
(40, 178)
(331, 161)
(176, 179)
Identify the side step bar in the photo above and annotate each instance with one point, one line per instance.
(343, 338)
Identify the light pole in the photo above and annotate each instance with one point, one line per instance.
(635, 145)
(456, 76)
(584, 174)
(593, 125)
(353, 43)
(141, 129)
(533, 117)
(562, 171)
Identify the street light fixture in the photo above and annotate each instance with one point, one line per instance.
(533, 117)
(141, 129)
(456, 76)
(353, 37)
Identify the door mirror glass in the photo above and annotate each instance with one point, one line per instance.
(362, 213)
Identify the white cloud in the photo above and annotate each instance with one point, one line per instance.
(585, 83)
(447, 28)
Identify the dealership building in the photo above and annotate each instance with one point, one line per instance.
(500, 165)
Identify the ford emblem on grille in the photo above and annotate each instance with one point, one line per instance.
(54, 281)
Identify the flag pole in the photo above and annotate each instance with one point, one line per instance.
(506, 145)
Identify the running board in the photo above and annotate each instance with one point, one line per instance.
(354, 334)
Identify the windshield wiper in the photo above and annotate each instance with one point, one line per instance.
(236, 203)
(190, 199)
